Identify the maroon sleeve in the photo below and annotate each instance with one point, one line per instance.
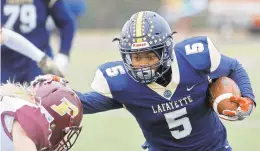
(34, 124)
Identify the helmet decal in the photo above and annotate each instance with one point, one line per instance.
(139, 27)
(66, 107)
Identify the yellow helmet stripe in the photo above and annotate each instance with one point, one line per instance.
(138, 27)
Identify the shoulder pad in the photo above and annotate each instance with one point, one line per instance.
(35, 124)
(113, 69)
(200, 52)
(108, 78)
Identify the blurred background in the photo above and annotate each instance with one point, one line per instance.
(225, 17)
(233, 25)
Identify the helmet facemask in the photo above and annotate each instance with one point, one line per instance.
(151, 73)
(69, 137)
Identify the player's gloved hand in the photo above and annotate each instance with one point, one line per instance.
(48, 78)
(246, 106)
(62, 61)
(49, 67)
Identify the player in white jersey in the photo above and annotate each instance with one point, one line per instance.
(47, 117)
(23, 46)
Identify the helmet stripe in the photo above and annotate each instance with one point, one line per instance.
(139, 24)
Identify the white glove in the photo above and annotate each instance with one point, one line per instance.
(49, 67)
(62, 61)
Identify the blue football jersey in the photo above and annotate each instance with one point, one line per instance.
(28, 17)
(176, 117)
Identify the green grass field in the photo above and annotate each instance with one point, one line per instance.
(117, 130)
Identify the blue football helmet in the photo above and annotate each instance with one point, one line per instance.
(146, 31)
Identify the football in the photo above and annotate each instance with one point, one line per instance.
(220, 91)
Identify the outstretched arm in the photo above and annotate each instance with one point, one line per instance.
(98, 101)
(94, 102)
(20, 44)
(23, 46)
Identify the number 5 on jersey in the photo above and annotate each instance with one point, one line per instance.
(173, 119)
(115, 71)
(194, 48)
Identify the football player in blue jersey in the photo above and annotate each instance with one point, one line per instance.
(164, 86)
(28, 17)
